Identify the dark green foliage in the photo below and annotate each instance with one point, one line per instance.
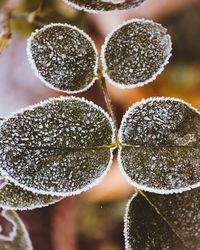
(156, 221)
(104, 5)
(58, 147)
(162, 145)
(63, 57)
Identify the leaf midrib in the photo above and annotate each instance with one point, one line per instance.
(140, 192)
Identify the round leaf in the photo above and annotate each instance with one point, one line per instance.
(103, 5)
(63, 57)
(135, 53)
(18, 238)
(16, 198)
(59, 147)
(161, 151)
(154, 221)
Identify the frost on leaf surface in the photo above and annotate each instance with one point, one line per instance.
(162, 145)
(63, 57)
(157, 221)
(18, 239)
(57, 147)
(104, 5)
(135, 53)
(16, 198)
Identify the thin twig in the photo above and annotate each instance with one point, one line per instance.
(25, 16)
(109, 106)
(42, 5)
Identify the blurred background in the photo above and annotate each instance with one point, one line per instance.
(94, 220)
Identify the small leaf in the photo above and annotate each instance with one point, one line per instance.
(155, 221)
(135, 53)
(59, 147)
(103, 5)
(161, 145)
(16, 198)
(19, 238)
(63, 57)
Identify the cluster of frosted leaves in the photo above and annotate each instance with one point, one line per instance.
(18, 238)
(63, 57)
(155, 221)
(16, 198)
(135, 53)
(161, 151)
(104, 5)
(57, 147)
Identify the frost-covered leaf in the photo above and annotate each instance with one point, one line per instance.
(16, 198)
(163, 221)
(162, 151)
(63, 57)
(60, 146)
(103, 5)
(18, 238)
(135, 53)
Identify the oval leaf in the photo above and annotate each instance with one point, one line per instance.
(161, 151)
(16, 198)
(135, 53)
(63, 57)
(154, 221)
(103, 5)
(60, 146)
(18, 238)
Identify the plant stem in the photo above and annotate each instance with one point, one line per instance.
(42, 5)
(109, 106)
(25, 16)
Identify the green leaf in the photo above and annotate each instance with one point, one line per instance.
(16, 198)
(155, 221)
(18, 238)
(63, 57)
(61, 146)
(135, 53)
(103, 5)
(161, 145)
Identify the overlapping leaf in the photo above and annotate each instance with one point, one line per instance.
(63, 57)
(16, 198)
(157, 221)
(104, 5)
(59, 147)
(135, 53)
(18, 238)
(161, 145)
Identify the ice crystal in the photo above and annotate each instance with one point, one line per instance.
(16, 198)
(162, 145)
(57, 147)
(63, 57)
(182, 213)
(104, 5)
(154, 221)
(18, 238)
(135, 53)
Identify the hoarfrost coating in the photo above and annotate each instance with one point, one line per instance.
(63, 57)
(154, 221)
(18, 238)
(57, 147)
(135, 53)
(101, 6)
(17, 198)
(161, 145)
